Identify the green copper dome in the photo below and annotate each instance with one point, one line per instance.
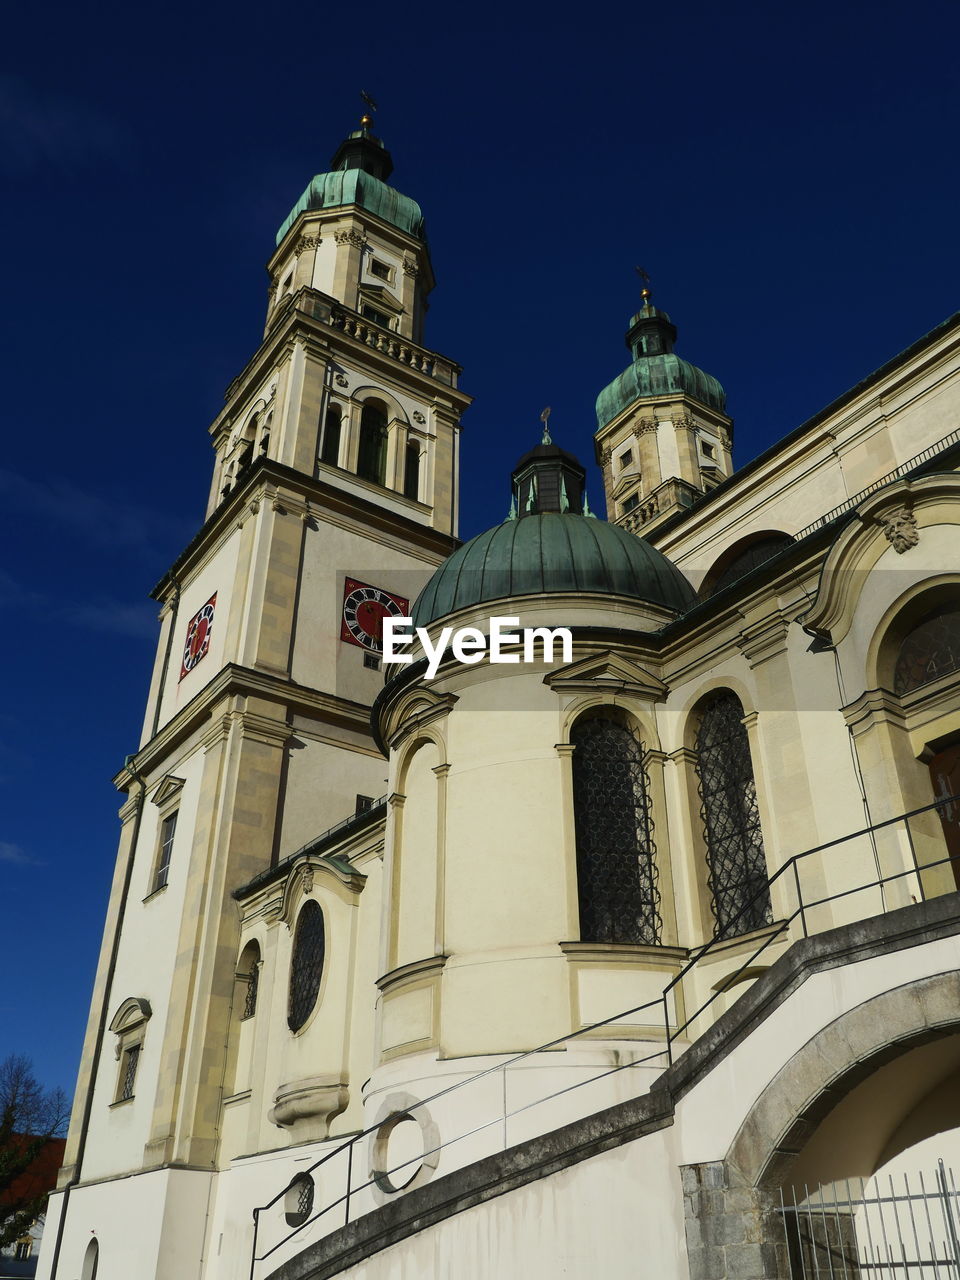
(549, 552)
(656, 370)
(354, 186)
(359, 173)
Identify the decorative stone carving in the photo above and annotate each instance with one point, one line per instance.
(351, 236)
(725, 438)
(305, 243)
(605, 457)
(410, 266)
(340, 380)
(418, 417)
(900, 529)
(645, 426)
(306, 880)
(684, 423)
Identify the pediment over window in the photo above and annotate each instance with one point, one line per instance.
(893, 517)
(609, 672)
(413, 710)
(322, 871)
(168, 789)
(133, 1011)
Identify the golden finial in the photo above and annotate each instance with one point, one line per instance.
(645, 293)
(366, 120)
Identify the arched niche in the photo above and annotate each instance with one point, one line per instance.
(415, 850)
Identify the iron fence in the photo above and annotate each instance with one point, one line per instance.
(795, 921)
(848, 1232)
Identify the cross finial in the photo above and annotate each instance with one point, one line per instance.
(545, 418)
(366, 121)
(645, 293)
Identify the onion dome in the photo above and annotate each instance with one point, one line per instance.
(358, 175)
(656, 369)
(549, 544)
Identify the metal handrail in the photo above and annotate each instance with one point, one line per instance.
(772, 934)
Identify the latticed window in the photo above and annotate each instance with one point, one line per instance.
(306, 967)
(929, 651)
(298, 1202)
(731, 820)
(131, 1058)
(616, 871)
(250, 996)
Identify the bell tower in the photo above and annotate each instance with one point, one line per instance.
(663, 436)
(333, 499)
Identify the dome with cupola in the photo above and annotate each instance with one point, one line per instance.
(551, 544)
(656, 369)
(358, 175)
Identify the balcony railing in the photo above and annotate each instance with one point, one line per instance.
(805, 905)
(327, 310)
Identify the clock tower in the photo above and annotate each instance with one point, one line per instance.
(333, 499)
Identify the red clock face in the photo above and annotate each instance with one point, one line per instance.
(364, 609)
(197, 643)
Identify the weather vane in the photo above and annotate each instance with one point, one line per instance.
(545, 419)
(368, 101)
(645, 291)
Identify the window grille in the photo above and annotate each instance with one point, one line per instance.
(740, 896)
(250, 999)
(306, 966)
(167, 832)
(299, 1200)
(130, 1059)
(929, 651)
(616, 869)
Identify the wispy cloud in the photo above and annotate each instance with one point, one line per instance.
(138, 620)
(13, 853)
(43, 133)
(97, 519)
(117, 617)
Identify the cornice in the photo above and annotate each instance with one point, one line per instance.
(407, 974)
(874, 706)
(268, 478)
(235, 680)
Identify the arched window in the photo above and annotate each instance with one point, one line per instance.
(739, 560)
(91, 1261)
(372, 457)
(306, 966)
(411, 472)
(330, 448)
(616, 873)
(248, 975)
(930, 650)
(245, 456)
(731, 821)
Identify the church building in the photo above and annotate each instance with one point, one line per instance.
(632, 956)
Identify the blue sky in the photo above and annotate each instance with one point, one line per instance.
(786, 174)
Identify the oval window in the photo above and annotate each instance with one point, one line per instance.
(306, 967)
